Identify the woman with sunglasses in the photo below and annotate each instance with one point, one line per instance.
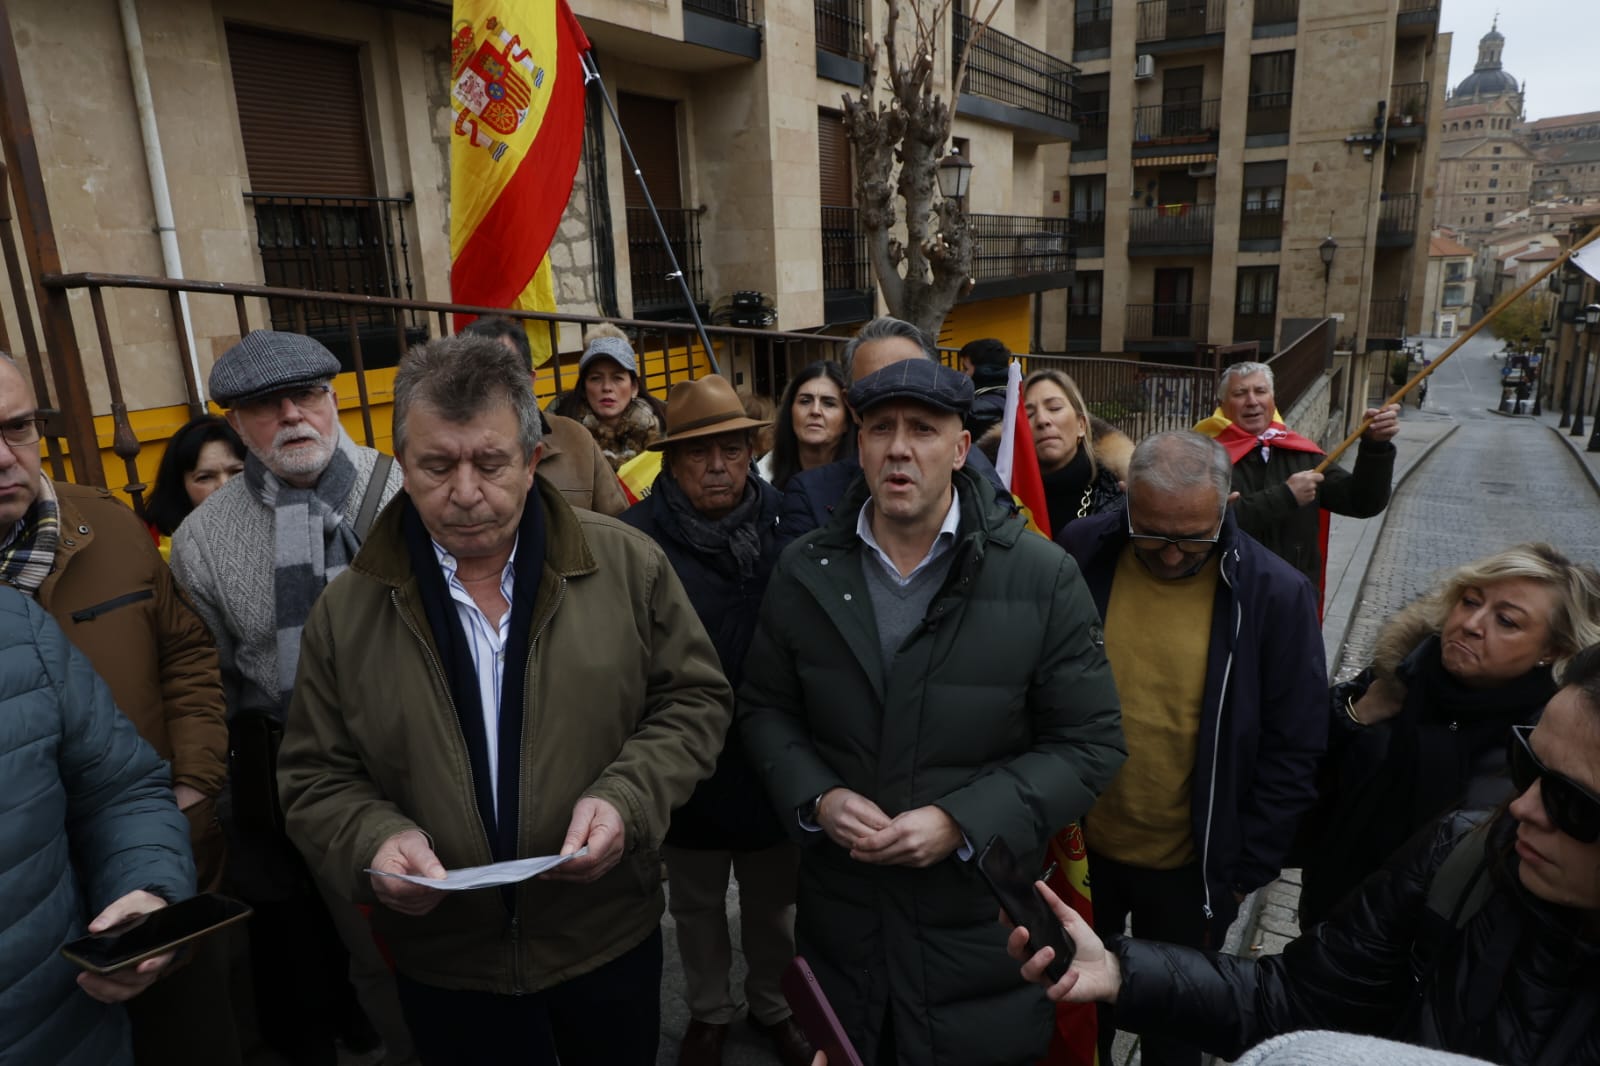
(1422, 730)
(1482, 937)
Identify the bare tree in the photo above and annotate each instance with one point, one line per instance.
(921, 277)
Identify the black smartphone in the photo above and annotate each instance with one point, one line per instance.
(156, 933)
(1012, 885)
(814, 1014)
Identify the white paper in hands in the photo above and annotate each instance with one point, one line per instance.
(499, 873)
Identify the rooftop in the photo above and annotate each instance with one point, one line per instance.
(1446, 248)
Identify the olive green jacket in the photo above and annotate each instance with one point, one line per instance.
(999, 708)
(625, 701)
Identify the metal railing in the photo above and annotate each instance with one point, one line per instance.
(1268, 113)
(1091, 130)
(1009, 246)
(841, 28)
(1419, 7)
(1088, 228)
(1010, 71)
(1160, 322)
(1276, 12)
(1139, 398)
(1387, 318)
(1258, 327)
(739, 11)
(1408, 104)
(1261, 221)
(668, 351)
(1171, 224)
(653, 287)
(1302, 361)
(844, 251)
(1182, 123)
(1085, 322)
(1397, 216)
(1091, 29)
(353, 244)
(1171, 20)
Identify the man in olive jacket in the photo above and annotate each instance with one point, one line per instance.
(926, 675)
(499, 676)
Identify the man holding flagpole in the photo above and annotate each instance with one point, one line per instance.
(1283, 500)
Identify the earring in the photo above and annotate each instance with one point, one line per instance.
(1544, 662)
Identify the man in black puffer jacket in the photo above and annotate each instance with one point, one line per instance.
(717, 523)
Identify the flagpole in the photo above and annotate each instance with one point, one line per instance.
(1461, 339)
(592, 74)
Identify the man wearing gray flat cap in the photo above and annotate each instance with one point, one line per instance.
(926, 676)
(253, 559)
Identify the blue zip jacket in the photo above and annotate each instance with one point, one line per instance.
(1264, 725)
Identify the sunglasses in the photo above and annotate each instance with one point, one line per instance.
(1572, 808)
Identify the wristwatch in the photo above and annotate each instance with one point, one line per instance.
(808, 811)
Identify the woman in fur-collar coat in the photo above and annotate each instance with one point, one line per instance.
(609, 400)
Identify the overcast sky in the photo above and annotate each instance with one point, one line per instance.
(1549, 45)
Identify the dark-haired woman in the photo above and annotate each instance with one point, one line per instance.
(199, 460)
(813, 427)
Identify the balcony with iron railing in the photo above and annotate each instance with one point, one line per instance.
(1012, 82)
(726, 25)
(1261, 226)
(1085, 327)
(1408, 111)
(655, 291)
(841, 29)
(1091, 136)
(1267, 118)
(349, 244)
(1276, 15)
(1088, 230)
(1397, 220)
(1164, 125)
(1386, 321)
(1171, 229)
(1179, 20)
(1256, 325)
(846, 272)
(1016, 254)
(1091, 30)
(1417, 16)
(1167, 322)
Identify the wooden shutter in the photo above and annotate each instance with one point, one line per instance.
(301, 114)
(833, 159)
(651, 124)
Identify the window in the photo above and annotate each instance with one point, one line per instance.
(1497, 149)
(1491, 199)
(1258, 291)
(1494, 166)
(1488, 216)
(1494, 183)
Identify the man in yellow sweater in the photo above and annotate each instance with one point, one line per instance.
(1217, 655)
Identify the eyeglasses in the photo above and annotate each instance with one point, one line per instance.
(305, 397)
(1572, 808)
(1188, 545)
(20, 431)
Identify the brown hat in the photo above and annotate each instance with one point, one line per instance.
(704, 408)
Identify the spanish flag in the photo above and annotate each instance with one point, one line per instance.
(517, 93)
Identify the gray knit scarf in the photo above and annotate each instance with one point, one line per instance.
(735, 533)
(312, 545)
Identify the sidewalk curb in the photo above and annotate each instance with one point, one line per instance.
(1371, 544)
(1577, 448)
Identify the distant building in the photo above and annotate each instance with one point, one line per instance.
(1450, 285)
(1485, 171)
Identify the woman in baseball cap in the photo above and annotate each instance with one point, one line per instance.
(610, 400)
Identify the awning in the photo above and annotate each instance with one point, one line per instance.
(1175, 160)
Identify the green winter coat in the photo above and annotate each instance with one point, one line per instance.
(999, 708)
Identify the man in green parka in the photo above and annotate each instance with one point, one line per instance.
(926, 675)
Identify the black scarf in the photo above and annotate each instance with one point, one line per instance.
(1064, 489)
(456, 657)
(1443, 724)
(736, 533)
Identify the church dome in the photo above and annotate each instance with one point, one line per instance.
(1488, 79)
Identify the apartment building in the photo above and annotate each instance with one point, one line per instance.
(1450, 285)
(1242, 167)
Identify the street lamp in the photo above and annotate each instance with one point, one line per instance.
(1591, 314)
(1326, 250)
(1590, 325)
(954, 175)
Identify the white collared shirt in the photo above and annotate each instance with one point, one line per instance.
(942, 543)
(486, 640)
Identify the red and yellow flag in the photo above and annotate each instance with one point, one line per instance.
(517, 92)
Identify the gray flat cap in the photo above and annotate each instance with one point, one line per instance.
(919, 380)
(267, 361)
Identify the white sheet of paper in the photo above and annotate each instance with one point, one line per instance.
(499, 873)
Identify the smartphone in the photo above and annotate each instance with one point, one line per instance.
(1012, 884)
(814, 1015)
(156, 933)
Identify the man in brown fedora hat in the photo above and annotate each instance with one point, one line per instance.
(716, 521)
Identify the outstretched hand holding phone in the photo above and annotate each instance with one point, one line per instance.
(1095, 975)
